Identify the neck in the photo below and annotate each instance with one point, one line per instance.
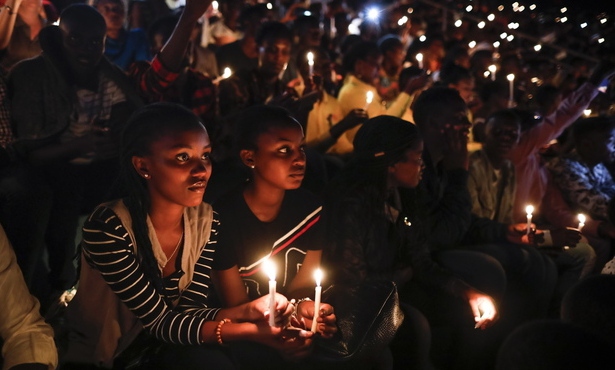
(497, 161)
(166, 217)
(264, 202)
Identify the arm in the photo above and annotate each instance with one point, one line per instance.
(27, 338)
(8, 16)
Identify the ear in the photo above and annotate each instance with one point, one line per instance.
(141, 166)
(247, 157)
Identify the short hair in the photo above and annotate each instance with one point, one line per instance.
(273, 31)
(584, 127)
(432, 101)
(359, 51)
(257, 120)
(453, 73)
(82, 14)
(388, 43)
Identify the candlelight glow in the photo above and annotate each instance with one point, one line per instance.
(491, 17)
(529, 210)
(269, 269)
(227, 73)
(581, 218)
(587, 112)
(458, 23)
(419, 57)
(492, 68)
(318, 276)
(422, 38)
(310, 58)
(472, 44)
(511, 77)
(537, 47)
(481, 24)
(369, 97)
(496, 44)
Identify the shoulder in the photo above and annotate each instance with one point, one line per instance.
(30, 68)
(302, 199)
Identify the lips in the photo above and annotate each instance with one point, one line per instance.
(198, 186)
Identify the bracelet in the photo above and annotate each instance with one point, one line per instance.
(219, 330)
(9, 9)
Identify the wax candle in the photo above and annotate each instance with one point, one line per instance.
(511, 90)
(529, 209)
(492, 69)
(419, 58)
(227, 73)
(310, 60)
(269, 268)
(369, 97)
(318, 292)
(581, 218)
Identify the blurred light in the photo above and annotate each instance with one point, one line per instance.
(491, 17)
(214, 5)
(535, 80)
(227, 73)
(496, 44)
(537, 47)
(472, 44)
(584, 24)
(373, 14)
(601, 40)
(269, 6)
(533, 6)
(587, 112)
(469, 8)
(563, 10)
(486, 74)
(510, 38)
(422, 38)
(564, 19)
(510, 77)
(458, 23)
(603, 20)
(503, 35)
(521, 8)
(481, 24)
(403, 20)
(501, 7)
(307, 13)
(410, 10)
(515, 4)
(492, 68)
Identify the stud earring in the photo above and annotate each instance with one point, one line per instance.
(252, 166)
(146, 175)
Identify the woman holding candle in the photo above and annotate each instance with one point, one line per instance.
(269, 218)
(362, 62)
(146, 259)
(372, 236)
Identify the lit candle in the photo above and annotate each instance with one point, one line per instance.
(581, 218)
(227, 73)
(369, 98)
(529, 210)
(318, 291)
(486, 311)
(419, 58)
(492, 69)
(511, 90)
(310, 60)
(269, 268)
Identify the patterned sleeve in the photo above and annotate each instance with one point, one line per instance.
(107, 247)
(152, 79)
(574, 181)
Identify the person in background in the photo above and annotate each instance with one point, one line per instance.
(122, 47)
(19, 29)
(28, 340)
(393, 55)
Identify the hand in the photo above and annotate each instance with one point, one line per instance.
(416, 83)
(352, 119)
(565, 237)
(292, 343)
(517, 233)
(483, 308)
(326, 326)
(259, 309)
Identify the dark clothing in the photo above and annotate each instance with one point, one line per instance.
(244, 89)
(232, 56)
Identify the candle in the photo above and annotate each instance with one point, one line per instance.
(310, 59)
(492, 69)
(227, 73)
(581, 218)
(318, 291)
(269, 268)
(529, 210)
(419, 58)
(369, 97)
(486, 311)
(511, 90)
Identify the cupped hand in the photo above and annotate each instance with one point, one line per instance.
(283, 309)
(483, 308)
(326, 321)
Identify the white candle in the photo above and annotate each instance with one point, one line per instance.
(511, 90)
(227, 73)
(529, 210)
(419, 58)
(318, 291)
(581, 218)
(269, 268)
(310, 60)
(369, 98)
(492, 69)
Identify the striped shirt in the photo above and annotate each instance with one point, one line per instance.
(108, 248)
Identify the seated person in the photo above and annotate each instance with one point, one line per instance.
(28, 340)
(146, 260)
(393, 56)
(122, 47)
(20, 23)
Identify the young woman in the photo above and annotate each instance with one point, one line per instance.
(270, 218)
(146, 258)
(373, 235)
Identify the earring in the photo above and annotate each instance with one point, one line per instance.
(146, 175)
(252, 166)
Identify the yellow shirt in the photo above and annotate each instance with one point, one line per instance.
(324, 115)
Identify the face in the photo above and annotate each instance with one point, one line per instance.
(407, 172)
(396, 56)
(274, 56)
(367, 69)
(113, 12)
(501, 136)
(466, 89)
(279, 161)
(453, 118)
(178, 167)
(83, 45)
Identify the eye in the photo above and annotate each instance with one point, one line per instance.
(182, 157)
(205, 156)
(284, 150)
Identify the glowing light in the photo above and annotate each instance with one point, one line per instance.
(214, 5)
(410, 10)
(537, 47)
(564, 19)
(510, 38)
(515, 4)
(533, 6)
(601, 40)
(501, 8)
(496, 44)
(269, 6)
(469, 8)
(503, 35)
(491, 17)
(535, 80)
(458, 23)
(227, 73)
(373, 14)
(584, 24)
(481, 24)
(472, 44)
(603, 20)
(318, 276)
(582, 220)
(521, 8)
(587, 112)
(492, 68)
(403, 20)
(529, 209)
(563, 10)
(422, 38)
(486, 74)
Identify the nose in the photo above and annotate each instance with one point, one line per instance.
(199, 168)
(300, 158)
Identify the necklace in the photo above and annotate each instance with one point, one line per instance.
(176, 247)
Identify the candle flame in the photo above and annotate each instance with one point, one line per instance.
(310, 58)
(318, 276)
(227, 73)
(529, 210)
(369, 97)
(492, 68)
(419, 57)
(269, 269)
(581, 218)
(510, 77)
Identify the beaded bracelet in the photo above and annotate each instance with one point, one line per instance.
(219, 330)
(9, 9)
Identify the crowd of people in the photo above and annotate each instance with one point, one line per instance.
(157, 158)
